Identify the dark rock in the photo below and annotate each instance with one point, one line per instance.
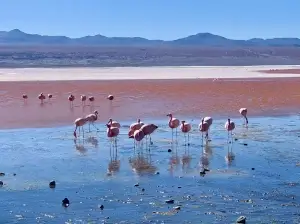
(157, 173)
(245, 144)
(2, 174)
(235, 139)
(136, 185)
(252, 168)
(170, 201)
(66, 202)
(177, 208)
(14, 174)
(143, 189)
(52, 184)
(179, 187)
(169, 150)
(206, 170)
(1, 183)
(101, 207)
(241, 219)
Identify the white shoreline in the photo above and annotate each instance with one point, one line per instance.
(129, 73)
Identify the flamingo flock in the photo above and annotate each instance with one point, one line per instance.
(71, 98)
(138, 130)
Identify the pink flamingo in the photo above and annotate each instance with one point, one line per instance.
(91, 118)
(208, 120)
(114, 123)
(41, 97)
(110, 97)
(50, 96)
(83, 99)
(243, 112)
(173, 124)
(135, 126)
(79, 122)
(138, 136)
(186, 128)
(148, 129)
(203, 127)
(112, 133)
(229, 126)
(71, 98)
(92, 99)
(25, 97)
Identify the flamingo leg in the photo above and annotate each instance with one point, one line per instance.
(172, 135)
(188, 138)
(95, 126)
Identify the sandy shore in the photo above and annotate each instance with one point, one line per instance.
(142, 98)
(129, 73)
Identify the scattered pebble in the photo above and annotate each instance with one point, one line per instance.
(52, 184)
(143, 189)
(101, 207)
(136, 185)
(1, 183)
(14, 174)
(157, 173)
(66, 202)
(235, 139)
(241, 219)
(170, 201)
(169, 150)
(2, 174)
(252, 168)
(245, 144)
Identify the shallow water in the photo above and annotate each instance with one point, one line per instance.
(266, 194)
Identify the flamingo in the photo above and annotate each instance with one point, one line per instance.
(112, 132)
(25, 97)
(148, 129)
(208, 120)
(243, 112)
(50, 96)
(114, 123)
(203, 127)
(83, 99)
(110, 97)
(41, 97)
(229, 126)
(91, 118)
(92, 99)
(135, 126)
(79, 122)
(138, 136)
(173, 124)
(71, 98)
(186, 128)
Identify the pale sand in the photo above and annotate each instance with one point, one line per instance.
(129, 73)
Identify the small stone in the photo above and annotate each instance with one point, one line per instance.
(170, 201)
(101, 207)
(107, 217)
(1, 183)
(245, 144)
(235, 139)
(157, 173)
(241, 219)
(66, 202)
(169, 150)
(143, 189)
(2, 174)
(136, 185)
(177, 208)
(14, 174)
(52, 184)
(252, 168)
(179, 187)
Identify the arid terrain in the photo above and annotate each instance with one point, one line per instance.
(127, 56)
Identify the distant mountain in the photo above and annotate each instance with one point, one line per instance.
(16, 37)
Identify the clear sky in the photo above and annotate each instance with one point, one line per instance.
(154, 19)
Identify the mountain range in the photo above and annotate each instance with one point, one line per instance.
(17, 37)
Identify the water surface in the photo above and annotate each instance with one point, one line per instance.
(261, 183)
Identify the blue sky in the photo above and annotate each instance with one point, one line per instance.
(154, 19)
